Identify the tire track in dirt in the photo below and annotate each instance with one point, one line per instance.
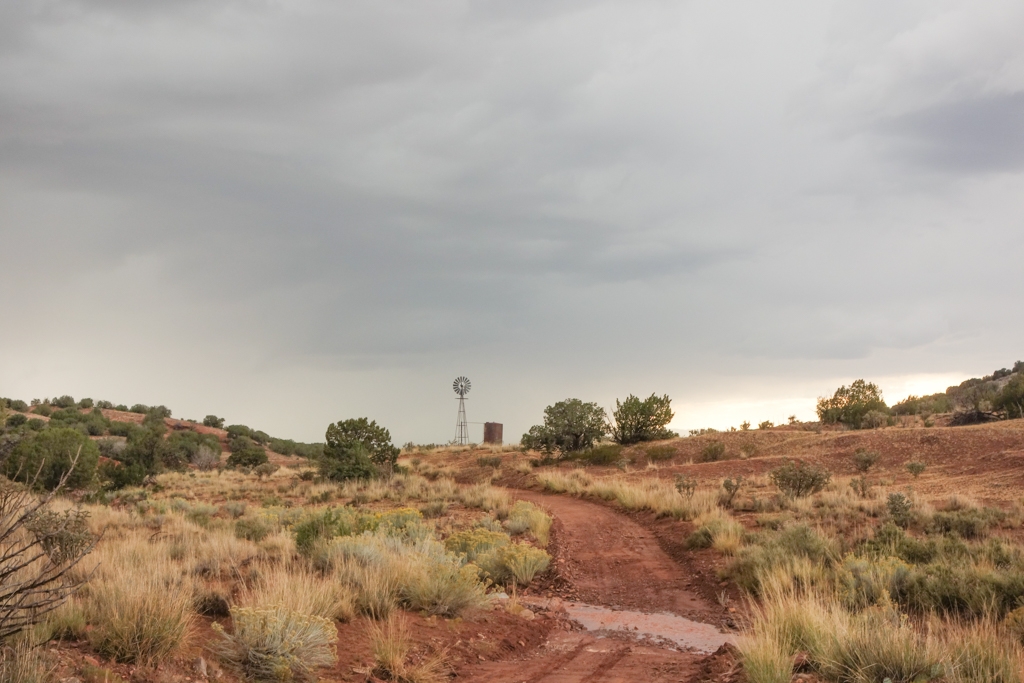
(608, 560)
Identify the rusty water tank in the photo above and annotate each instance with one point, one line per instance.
(492, 432)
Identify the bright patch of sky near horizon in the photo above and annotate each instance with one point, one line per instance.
(290, 213)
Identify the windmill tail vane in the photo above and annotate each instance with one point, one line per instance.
(461, 387)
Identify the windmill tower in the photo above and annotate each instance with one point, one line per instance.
(461, 387)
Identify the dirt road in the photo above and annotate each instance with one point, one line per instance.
(608, 560)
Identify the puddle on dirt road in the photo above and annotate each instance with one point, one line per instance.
(679, 631)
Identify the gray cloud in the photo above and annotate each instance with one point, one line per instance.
(965, 136)
(344, 204)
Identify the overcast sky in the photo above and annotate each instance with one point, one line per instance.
(289, 212)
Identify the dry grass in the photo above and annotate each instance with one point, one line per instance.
(21, 663)
(297, 589)
(389, 641)
(644, 494)
(139, 603)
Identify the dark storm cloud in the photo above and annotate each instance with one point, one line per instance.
(571, 196)
(983, 133)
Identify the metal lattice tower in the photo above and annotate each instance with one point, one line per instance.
(461, 387)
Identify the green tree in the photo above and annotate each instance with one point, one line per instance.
(1011, 398)
(349, 462)
(50, 453)
(569, 426)
(646, 420)
(245, 452)
(214, 421)
(850, 404)
(247, 457)
(343, 437)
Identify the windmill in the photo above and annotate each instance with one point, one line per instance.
(461, 387)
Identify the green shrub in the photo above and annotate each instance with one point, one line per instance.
(969, 523)
(850, 404)
(252, 529)
(50, 454)
(63, 402)
(569, 426)
(235, 508)
(213, 421)
(636, 420)
(342, 464)
(323, 526)
(363, 435)
(16, 420)
(915, 468)
(475, 542)
(275, 644)
(442, 585)
(686, 485)
(800, 479)
(251, 457)
(125, 429)
(201, 514)
(874, 419)
(266, 469)
(864, 459)
(899, 508)
(116, 475)
(525, 516)
(712, 452)
(19, 405)
(513, 562)
(282, 446)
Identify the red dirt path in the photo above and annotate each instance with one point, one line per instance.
(605, 558)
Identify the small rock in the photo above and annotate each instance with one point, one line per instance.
(92, 660)
(199, 666)
(527, 614)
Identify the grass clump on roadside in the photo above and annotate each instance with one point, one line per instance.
(420, 573)
(716, 530)
(659, 497)
(391, 646)
(514, 562)
(273, 643)
(525, 516)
